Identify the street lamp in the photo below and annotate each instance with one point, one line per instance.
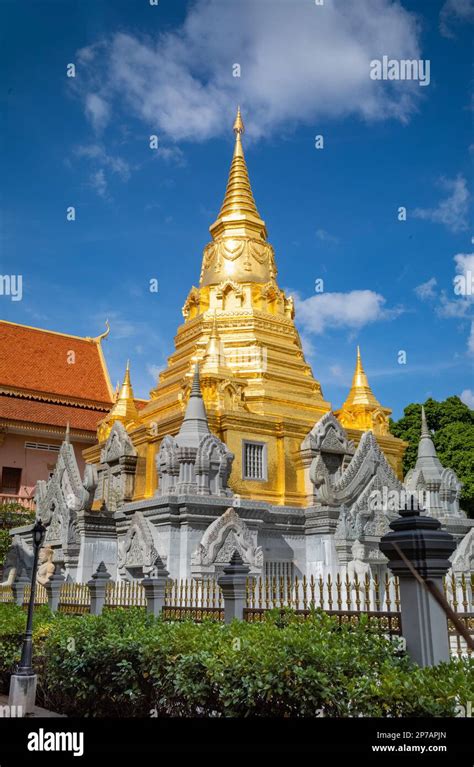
(25, 668)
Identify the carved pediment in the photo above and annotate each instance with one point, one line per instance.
(226, 534)
(59, 499)
(462, 559)
(118, 445)
(139, 548)
(327, 435)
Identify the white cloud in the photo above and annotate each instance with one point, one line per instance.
(154, 371)
(470, 340)
(299, 63)
(97, 110)
(97, 181)
(462, 303)
(103, 161)
(467, 396)
(427, 289)
(325, 236)
(455, 11)
(465, 265)
(309, 349)
(452, 211)
(341, 310)
(338, 373)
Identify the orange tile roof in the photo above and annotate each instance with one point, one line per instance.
(35, 360)
(36, 412)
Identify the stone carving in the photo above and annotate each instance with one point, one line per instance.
(139, 548)
(59, 500)
(358, 566)
(462, 560)
(368, 470)
(116, 472)
(439, 486)
(167, 465)
(367, 475)
(223, 536)
(326, 451)
(212, 466)
(18, 561)
(195, 461)
(65, 493)
(46, 567)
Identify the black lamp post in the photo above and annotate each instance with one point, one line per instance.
(25, 668)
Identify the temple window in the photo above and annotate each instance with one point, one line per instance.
(11, 478)
(254, 460)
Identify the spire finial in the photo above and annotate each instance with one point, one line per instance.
(238, 126)
(238, 215)
(196, 386)
(425, 432)
(67, 434)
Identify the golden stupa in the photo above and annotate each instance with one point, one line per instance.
(256, 384)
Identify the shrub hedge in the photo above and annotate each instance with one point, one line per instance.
(126, 663)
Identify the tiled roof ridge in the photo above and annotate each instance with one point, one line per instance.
(89, 339)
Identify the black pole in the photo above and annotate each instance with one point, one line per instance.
(25, 667)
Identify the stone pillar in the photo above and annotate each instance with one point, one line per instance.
(428, 548)
(53, 589)
(234, 587)
(155, 587)
(18, 588)
(97, 587)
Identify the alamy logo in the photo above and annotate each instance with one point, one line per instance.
(8, 711)
(393, 500)
(11, 285)
(56, 741)
(401, 69)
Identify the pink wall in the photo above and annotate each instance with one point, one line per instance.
(35, 464)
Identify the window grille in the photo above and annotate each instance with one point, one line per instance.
(254, 460)
(42, 446)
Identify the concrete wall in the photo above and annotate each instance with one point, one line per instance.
(35, 464)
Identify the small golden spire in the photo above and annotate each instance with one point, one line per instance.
(125, 408)
(360, 393)
(362, 410)
(213, 360)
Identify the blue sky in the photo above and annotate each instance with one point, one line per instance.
(331, 213)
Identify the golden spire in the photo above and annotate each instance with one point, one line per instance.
(214, 360)
(362, 410)
(238, 214)
(361, 393)
(125, 409)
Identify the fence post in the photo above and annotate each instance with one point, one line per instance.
(97, 587)
(234, 587)
(155, 588)
(428, 548)
(53, 588)
(18, 588)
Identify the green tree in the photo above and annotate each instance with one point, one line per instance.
(12, 515)
(452, 425)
